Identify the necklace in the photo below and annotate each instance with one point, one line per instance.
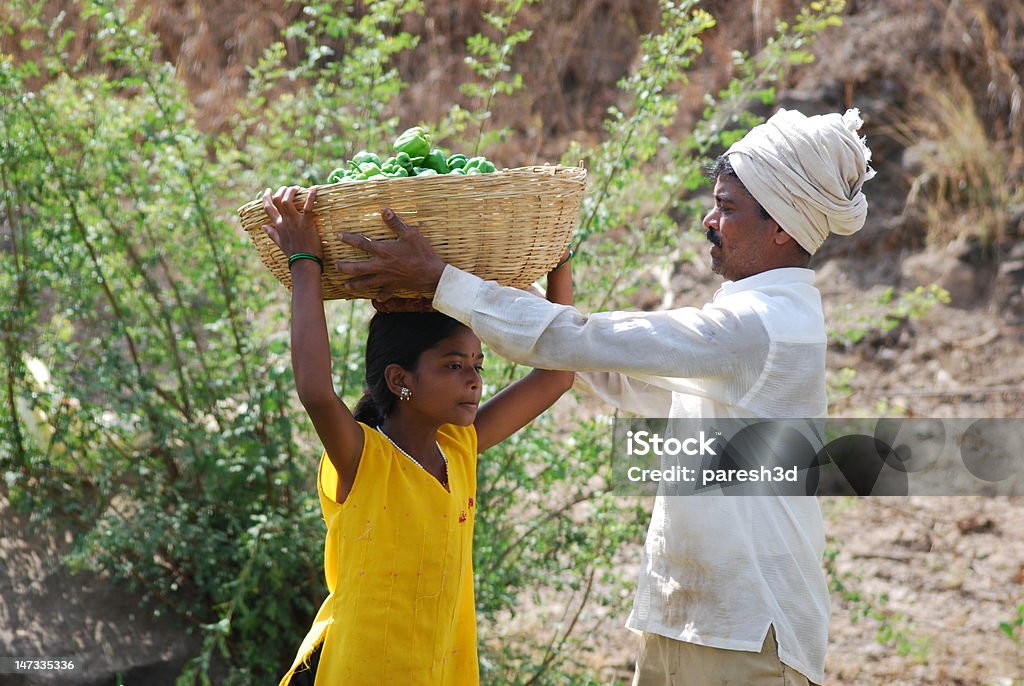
(417, 462)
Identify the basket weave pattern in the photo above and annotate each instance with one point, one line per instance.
(510, 227)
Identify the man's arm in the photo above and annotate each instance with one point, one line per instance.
(626, 393)
(683, 343)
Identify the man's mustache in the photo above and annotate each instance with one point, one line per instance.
(713, 237)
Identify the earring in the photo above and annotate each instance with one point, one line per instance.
(404, 393)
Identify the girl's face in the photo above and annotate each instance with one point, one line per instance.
(446, 385)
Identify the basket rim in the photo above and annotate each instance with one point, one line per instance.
(557, 172)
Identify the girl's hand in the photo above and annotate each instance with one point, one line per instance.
(291, 230)
(560, 280)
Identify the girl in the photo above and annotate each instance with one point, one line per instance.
(397, 481)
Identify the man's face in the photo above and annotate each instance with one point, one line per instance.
(742, 239)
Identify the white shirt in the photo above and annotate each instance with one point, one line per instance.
(717, 570)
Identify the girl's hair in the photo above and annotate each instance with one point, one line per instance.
(397, 338)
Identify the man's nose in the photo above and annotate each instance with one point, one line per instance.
(710, 218)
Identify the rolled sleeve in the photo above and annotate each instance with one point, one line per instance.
(456, 293)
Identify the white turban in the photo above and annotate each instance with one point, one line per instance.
(807, 173)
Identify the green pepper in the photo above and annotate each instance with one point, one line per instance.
(436, 161)
(481, 164)
(413, 156)
(415, 142)
(364, 156)
(404, 160)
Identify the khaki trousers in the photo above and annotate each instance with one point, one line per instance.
(668, 662)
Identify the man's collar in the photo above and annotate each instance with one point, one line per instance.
(772, 277)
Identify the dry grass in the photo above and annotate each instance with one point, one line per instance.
(990, 38)
(961, 122)
(958, 171)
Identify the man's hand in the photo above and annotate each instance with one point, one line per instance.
(406, 263)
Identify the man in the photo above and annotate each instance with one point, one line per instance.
(731, 589)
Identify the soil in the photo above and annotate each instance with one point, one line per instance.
(927, 582)
(46, 611)
(943, 573)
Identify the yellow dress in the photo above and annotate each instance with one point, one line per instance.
(399, 568)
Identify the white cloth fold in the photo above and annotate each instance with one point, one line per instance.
(807, 173)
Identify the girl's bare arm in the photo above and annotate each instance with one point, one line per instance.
(295, 232)
(521, 402)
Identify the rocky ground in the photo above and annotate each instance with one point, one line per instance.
(927, 581)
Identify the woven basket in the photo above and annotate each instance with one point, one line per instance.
(511, 226)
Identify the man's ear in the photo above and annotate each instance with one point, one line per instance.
(786, 242)
(780, 236)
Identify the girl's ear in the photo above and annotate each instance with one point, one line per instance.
(396, 378)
